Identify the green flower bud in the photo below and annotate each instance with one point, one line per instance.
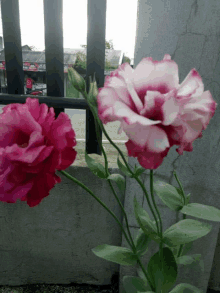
(93, 92)
(77, 81)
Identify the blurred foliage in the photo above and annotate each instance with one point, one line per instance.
(81, 57)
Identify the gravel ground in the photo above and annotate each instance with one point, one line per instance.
(44, 288)
(71, 288)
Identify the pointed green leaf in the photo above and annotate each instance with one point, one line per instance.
(185, 231)
(191, 260)
(145, 222)
(163, 273)
(139, 170)
(202, 211)
(187, 198)
(134, 285)
(123, 168)
(188, 259)
(187, 247)
(119, 179)
(183, 288)
(143, 277)
(141, 242)
(119, 255)
(169, 195)
(96, 168)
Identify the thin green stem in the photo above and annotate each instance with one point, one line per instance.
(184, 216)
(125, 215)
(89, 191)
(181, 188)
(182, 245)
(161, 227)
(137, 179)
(140, 183)
(145, 273)
(109, 181)
(113, 215)
(148, 201)
(154, 203)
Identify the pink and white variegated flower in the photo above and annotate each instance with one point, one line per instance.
(155, 111)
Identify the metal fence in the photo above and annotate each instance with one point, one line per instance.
(54, 59)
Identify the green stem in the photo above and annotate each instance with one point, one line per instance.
(182, 245)
(113, 215)
(137, 179)
(154, 203)
(109, 181)
(89, 191)
(184, 202)
(181, 188)
(142, 185)
(125, 215)
(161, 227)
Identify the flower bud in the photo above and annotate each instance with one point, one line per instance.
(77, 81)
(93, 92)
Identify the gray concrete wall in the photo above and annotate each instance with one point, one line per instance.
(189, 31)
(51, 243)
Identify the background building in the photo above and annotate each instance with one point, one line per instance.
(34, 66)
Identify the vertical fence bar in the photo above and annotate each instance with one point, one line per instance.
(12, 46)
(53, 12)
(95, 63)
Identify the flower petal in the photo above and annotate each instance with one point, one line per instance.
(152, 136)
(192, 85)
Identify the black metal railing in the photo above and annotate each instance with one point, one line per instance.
(54, 59)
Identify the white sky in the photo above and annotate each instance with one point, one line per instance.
(121, 18)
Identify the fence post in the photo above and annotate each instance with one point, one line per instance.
(53, 11)
(95, 63)
(12, 44)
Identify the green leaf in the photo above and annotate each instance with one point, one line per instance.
(163, 273)
(134, 285)
(123, 168)
(169, 195)
(143, 277)
(96, 168)
(119, 179)
(145, 222)
(187, 247)
(187, 198)
(120, 255)
(185, 231)
(202, 211)
(188, 259)
(141, 242)
(191, 260)
(138, 171)
(182, 288)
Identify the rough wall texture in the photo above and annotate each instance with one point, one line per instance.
(51, 243)
(189, 31)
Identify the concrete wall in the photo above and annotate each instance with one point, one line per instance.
(189, 31)
(51, 243)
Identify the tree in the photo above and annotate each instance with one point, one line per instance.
(33, 48)
(126, 59)
(81, 57)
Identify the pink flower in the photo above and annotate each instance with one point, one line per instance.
(33, 146)
(154, 110)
